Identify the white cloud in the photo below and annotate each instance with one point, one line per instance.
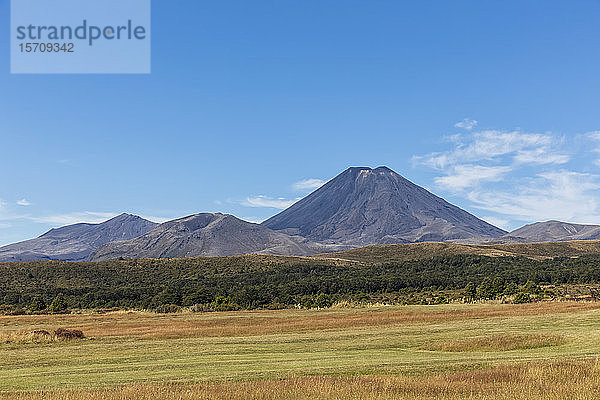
(492, 145)
(5, 225)
(561, 195)
(269, 202)
(254, 220)
(281, 203)
(90, 217)
(308, 184)
(520, 177)
(540, 156)
(23, 202)
(461, 177)
(499, 222)
(467, 124)
(595, 136)
(159, 220)
(7, 215)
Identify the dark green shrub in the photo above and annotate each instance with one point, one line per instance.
(59, 305)
(167, 309)
(470, 291)
(224, 303)
(521, 298)
(38, 304)
(532, 287)
(485, 289)
(510, 289)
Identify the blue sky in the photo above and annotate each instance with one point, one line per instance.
(247, 101)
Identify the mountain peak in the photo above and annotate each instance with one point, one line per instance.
(124, 217)
(368, 171)
(364, 206)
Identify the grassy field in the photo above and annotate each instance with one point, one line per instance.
(542, 350)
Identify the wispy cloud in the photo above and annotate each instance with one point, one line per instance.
(595, 138)
(7, 214)
(23, 202)
(466, 123)
(562, 195)
(465, 176)
(519, 177)
(502, 223)
(158, 220)
(281, 203)
(490, 145)
(90, 217)
(269, 202)
(308, 184)
(254, 220)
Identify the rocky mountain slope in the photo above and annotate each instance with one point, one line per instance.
(206, 235)
(552, 231)
(363, 206)
(76, 242)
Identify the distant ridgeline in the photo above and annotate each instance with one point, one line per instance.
(255, 281)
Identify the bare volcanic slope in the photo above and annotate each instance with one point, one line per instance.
(363, 206)
(552, 231)
(76, 242)
(206, 235)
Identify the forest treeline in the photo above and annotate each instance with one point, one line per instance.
(250, 282)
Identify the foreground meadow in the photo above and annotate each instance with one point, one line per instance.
(537, 351)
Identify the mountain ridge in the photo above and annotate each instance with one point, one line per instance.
(205, 234)
(77, 241)
(361, 206)
(552, 231)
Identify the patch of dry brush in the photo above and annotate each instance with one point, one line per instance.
(41, 336)
(571, 380)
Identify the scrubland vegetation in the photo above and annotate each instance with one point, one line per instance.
(272, 282)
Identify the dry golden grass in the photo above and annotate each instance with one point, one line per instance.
(154, 326)
(504, 342)
(573, 380)
(35, 336)
(415, 251)
(27, 337)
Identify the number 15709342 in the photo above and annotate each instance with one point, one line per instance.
(47, 47)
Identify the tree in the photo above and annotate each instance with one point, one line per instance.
(58, 304)
(497, 287)
(485, 289)
(531, 287)
(470, 291)
(510, 289)
(38, 304)
(521, 298)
